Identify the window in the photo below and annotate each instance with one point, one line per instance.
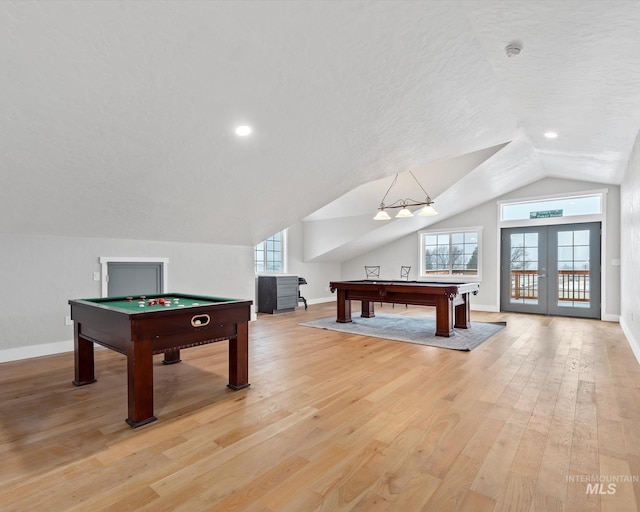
(450, 253)
(269, 255)
(589, 204)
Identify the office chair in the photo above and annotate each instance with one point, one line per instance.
(301, 280)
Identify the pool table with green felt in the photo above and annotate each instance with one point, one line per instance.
(139, 330)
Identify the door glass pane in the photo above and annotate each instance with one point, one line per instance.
(581, 253)
(517, 240)
(581, 237)
(573, 269)
(565, 253)
(524, 268)
(565, 237)
(531, 239)
(516, 256)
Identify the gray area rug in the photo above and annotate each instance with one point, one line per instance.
(412, 329)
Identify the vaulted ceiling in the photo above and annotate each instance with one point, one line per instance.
(118, 117)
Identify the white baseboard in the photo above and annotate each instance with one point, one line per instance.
(47, 349)
(609, 318)
(633, 342)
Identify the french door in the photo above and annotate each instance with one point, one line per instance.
(551, 270)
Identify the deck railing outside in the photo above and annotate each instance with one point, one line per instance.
(524, 284)
(446, 272)
(573, 285)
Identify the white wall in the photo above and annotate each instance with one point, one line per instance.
(38, 274)
(630, 250)
(318, 275)
(405, 250)
(323, 236)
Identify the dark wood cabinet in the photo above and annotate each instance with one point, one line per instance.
(277, 294)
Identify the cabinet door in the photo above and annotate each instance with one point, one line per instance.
(287, 289)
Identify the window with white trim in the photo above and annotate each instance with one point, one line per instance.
(269, 255)
(566, 206)
(451, 253)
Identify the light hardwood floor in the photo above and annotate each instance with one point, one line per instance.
(336, 422)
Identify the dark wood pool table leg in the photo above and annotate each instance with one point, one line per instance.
(463, 313)
(367, 309)
(83, 359)
(239, 358)
(444, 316)
(140, 383)
(344, 308)
(172, 356)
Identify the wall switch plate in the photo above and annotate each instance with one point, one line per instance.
(68, 321)
(96, 276)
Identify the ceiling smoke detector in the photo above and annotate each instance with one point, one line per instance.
(513, 49)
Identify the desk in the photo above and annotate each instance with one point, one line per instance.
(139, 330)
(451, 300)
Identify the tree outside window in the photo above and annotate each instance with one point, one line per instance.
(450, 253)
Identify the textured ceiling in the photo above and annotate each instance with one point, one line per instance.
(117, 118)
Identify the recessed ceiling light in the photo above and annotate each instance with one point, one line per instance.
(551, 135)
(243, 131)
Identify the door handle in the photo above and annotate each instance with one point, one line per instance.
(542, 275)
